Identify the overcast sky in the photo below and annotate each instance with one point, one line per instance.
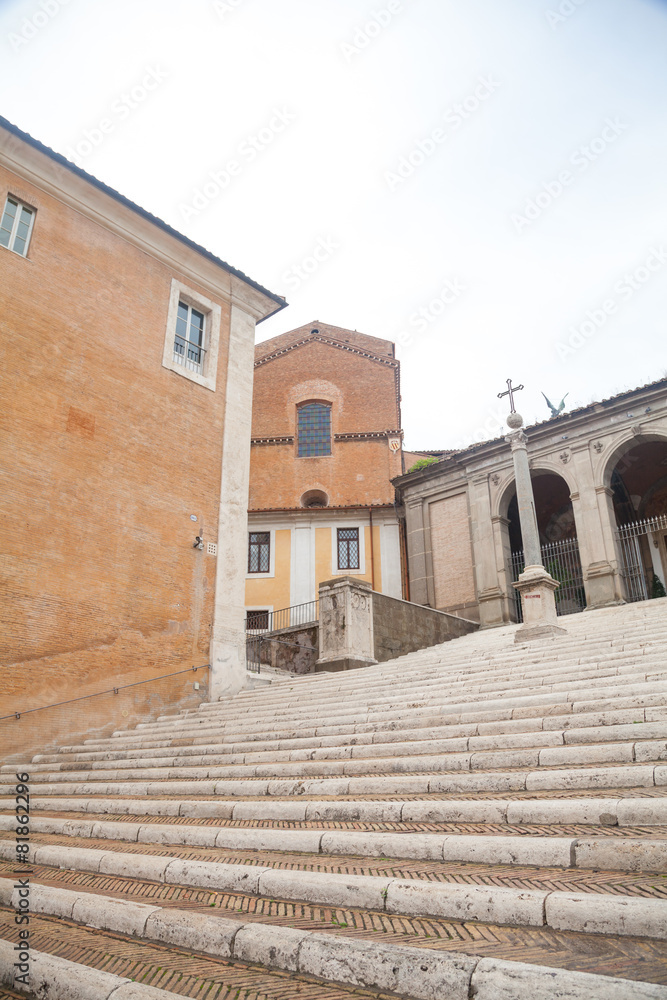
(482, 181)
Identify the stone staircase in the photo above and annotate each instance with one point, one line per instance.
(479, 819)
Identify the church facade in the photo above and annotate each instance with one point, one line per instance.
(326, 443)
(127, 370)
(600, 482)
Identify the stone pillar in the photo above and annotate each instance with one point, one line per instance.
(416, 543)
(346, 624)
(535, 585)
(489, 594)
(228, 671)
(596, 546)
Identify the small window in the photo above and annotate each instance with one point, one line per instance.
(189, 338)
(259, 551)
(257, 621)
(16, 226)
(314, 430)
(348, 548)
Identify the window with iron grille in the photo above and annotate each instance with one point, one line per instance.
(314, 430)
(259, 551)
(348, 548)
(189, 338)
(16, 226)
(257, 621)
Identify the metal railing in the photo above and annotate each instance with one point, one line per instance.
(276, 621)
(188, 354)
(563, 562)
(98, 694)
(636, 563)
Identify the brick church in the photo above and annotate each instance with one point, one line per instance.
(326, 443)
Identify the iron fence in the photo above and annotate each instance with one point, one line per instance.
(636, 561)
(275, 621)
(563, 562)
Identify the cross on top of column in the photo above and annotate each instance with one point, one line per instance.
(510, 392)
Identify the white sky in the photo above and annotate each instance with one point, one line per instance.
(350, 102)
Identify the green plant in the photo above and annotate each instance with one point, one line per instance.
(657, 587)
(423, 463)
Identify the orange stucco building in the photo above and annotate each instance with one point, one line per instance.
(127, 384)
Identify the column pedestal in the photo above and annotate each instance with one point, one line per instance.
(537, 588)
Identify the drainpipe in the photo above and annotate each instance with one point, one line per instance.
(370, 515)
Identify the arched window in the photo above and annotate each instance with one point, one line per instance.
(314, 429)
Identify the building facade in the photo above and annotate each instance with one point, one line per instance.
(326, 443)
(127, 371)
(600, 482)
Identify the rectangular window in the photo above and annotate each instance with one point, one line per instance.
(189, 338)
(348, 548)
(259, 551)
(16, 226)
(257, 621)
(314, 430)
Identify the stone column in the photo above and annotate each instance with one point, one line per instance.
(535, 585)
(228, 671)
(346, 624)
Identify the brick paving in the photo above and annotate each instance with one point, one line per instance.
(167, 968)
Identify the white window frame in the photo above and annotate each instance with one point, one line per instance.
(361, 528)
(212, 313)
(12, 235)
(258, 607)
(272, 554)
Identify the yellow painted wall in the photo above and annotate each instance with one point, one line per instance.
(325, 562)
(263, 592)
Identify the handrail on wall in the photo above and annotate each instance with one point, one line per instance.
(98, 694)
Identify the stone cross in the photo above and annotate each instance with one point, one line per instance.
(510, 392)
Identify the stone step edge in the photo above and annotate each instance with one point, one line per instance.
(514, 812)
(552, 779)
(612, 736)
(544, 759)
(608, 853)
(588, 913)
(425, 973)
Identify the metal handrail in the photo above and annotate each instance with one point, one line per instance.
(296, 616)
(98, 694)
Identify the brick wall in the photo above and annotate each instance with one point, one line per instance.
(107, 455)
(362, 393)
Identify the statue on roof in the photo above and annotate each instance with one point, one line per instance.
(557, 410)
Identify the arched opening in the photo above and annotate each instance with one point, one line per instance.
(558, 541)
(639, 486)
(315, 499)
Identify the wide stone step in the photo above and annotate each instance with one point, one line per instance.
(581, 912)
(555, 852)
(621, 776)
(422, 974)
(500, 729)
(609, 812)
